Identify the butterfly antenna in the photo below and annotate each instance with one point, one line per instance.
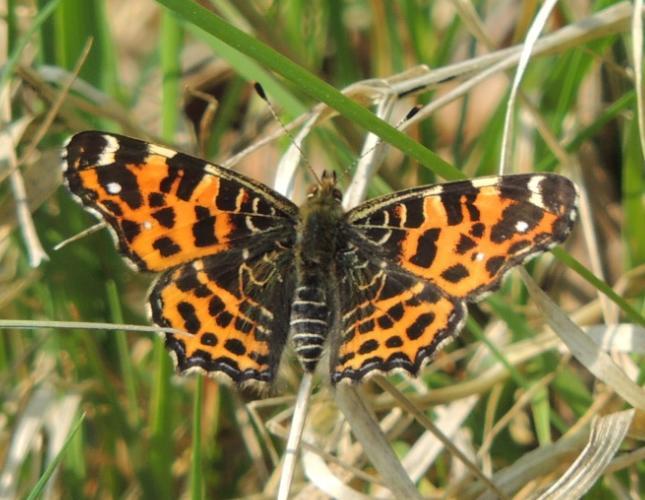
(260, 91)
(408, 116)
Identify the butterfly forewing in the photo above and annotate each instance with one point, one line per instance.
(463, 236)
(168, 208)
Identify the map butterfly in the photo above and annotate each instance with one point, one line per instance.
(244, 270)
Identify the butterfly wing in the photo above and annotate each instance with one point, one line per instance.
(415, 257)
(463, 236)
(235, 309)
(390, 319)
(167, 208)
(224, 241)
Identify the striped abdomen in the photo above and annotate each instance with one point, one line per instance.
(309, 324)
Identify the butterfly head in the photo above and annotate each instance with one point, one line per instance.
(325, 188)
(323, 202)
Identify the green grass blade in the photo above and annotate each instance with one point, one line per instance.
(252, 71)
(633, 188)
(39, 487)
(171, 37)
(127, 370)
(308, 83)
(478, 333)
(196, 476)
(588, 133)
(567, 259)
(12, 61)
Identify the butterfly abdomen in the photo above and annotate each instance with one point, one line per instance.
(309, 325)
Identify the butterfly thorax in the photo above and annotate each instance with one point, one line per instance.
(319, 235)
(321, 216)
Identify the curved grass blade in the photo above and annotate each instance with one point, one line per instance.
(38, 488)
(307, 82)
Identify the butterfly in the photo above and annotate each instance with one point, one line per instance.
(244, 271)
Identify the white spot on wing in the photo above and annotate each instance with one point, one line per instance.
(113, 187)
(521, 226)
(484, 181)
(434, 190)
(535, 186)
(534, 183)
(479, 257)
(107, 155)
(210, 169)
(146, 224)
(155, 149)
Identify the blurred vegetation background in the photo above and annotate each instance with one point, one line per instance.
(505, 391)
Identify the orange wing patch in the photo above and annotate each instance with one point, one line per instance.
(464, 236)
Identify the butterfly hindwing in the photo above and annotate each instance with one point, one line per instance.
(390, 320)
(463, 236)
(235, 310)
(165, 207)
